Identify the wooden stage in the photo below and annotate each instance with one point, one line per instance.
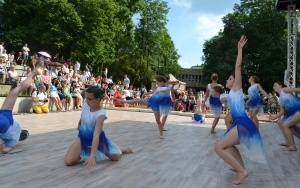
(184, 159)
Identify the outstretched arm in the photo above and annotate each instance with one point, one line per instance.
(238, 65)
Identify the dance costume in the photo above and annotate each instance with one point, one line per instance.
(161, 100)
(215, 104)
(86, 132)
(255, 101)
(248, 134)
(290, 103)
(198, 118)
(9, 128)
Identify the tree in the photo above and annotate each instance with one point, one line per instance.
(265, 53)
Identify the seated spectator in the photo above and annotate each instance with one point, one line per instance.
(40, 100)
(66, 92)
(54, 95)
(180, 107)
(30, 88)
(3, 71)
(76, 94)
(13, 77)
(118, 95)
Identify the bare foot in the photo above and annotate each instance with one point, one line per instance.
(165, 128)
(239, 177)
(284, 144)
(6, 150)
(161, 136)
(212, 132)
(290, 149)
(126, 150)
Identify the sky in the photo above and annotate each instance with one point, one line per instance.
(191, 22)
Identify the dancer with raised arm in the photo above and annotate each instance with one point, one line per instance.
(243, 131)
(10, 131)
(290, 110)
(92, 144)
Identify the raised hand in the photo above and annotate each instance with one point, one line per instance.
(242, 41)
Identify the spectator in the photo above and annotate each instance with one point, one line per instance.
(25, 50)
(180, 107)
(40, 100)
(126, 81)
(19, 58)
(13, 76)
(3, 71)
(77, 66)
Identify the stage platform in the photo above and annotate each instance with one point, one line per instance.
(184, 159)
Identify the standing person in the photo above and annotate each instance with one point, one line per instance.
(154, 102)
(255, 102)
(25, 50)
(92, 144)
(126, 81)
(243, 131)
(77, 66)
(290, 110)
(10, 131)
(19, 58)
(214, 101)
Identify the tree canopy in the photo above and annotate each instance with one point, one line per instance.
(99, 34)
(265, 54)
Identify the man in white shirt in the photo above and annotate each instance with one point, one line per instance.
(25, 50)
(126, 81)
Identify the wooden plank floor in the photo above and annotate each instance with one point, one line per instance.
(184, 159)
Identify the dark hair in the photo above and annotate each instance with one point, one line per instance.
(280, 83)
(167, 77)
(214, 77)
(161, 79)
(255, 79)
(96, 91)
(219, 89)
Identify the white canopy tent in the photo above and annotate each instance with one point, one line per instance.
(177, 83)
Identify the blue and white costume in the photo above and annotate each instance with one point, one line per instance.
(248, 134)
(86, 132)
(255, 102)
(161, 100)
(215, 104)
(290, 103)
(9, 129)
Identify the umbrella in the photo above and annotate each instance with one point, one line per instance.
(45, 54)
(55, 64)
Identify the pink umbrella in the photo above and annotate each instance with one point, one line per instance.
(45, 54)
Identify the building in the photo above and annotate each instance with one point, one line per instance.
(192, 77)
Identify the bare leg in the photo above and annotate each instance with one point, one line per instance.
(236, 154)
(215, 122)
(286, 125)
(228, 121)
(159, 124)
(253, 116)
(163, 121)
(73, 155)
(286, 141)
(228, 141)
(13, 94)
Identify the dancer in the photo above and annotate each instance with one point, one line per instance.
(198, 116)
(159, 107)
(243, 131)
(168, 100)
(255, 102)
(92, 144)
(10, 131)
(291, 105)
(214, 101)
(227, 118)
